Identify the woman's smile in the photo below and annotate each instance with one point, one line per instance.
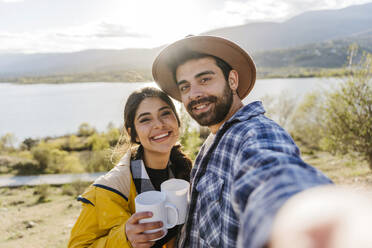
(156, 125)
(161, 137)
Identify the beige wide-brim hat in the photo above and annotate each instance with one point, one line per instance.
(224, 49)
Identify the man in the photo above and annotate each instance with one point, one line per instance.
(249, 166)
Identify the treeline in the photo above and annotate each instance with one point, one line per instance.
(111, 76)
(85, 151)
(327, 55)
(145, 76)
(301, 72)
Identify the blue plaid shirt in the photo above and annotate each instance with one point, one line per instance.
(252, 167)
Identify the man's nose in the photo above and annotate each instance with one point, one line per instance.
(195, 92)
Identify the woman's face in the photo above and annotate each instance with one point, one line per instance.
(156, 125)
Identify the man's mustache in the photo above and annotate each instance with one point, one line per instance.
(200, 101)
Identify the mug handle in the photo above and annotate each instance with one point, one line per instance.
(173, 208)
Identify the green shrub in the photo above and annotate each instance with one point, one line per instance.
(190, 138)
(112, 135)
(75, 188)
(71, 164)
(7, 142)
(349, 113)
(86, 130)
(96, 161)
(53, 160)
(28, 143)
(43, 192)
(27, 167)
(307, 123)
(98, 142)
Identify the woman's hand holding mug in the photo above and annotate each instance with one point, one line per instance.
(135, 230)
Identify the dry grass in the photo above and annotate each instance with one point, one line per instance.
(29, 224)
(343, 171)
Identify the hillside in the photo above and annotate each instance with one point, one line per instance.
(309, 27)
(328, 54)
(315, 39)
(308, 60)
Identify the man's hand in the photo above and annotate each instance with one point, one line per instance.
(324, 217)
(134, 230)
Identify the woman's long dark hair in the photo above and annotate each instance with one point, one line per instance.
(181, 164)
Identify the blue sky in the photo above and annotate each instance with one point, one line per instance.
(31, 26)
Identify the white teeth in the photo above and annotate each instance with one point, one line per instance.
(201, 106)
(161, 136)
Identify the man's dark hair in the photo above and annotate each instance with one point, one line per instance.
(180, 59)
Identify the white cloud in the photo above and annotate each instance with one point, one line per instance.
(237, 12)
(142, 23)
(99, 35)
(11, 1)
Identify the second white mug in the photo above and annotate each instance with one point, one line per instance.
(177, 191)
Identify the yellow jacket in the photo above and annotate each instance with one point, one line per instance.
(107, 205)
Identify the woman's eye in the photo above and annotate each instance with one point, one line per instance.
(166, 113)
(144, 120)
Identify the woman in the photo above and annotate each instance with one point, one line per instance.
(108, 217)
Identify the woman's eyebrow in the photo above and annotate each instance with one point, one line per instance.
(143, 114)
(165, 107)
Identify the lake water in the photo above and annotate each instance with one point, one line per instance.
(41, 110)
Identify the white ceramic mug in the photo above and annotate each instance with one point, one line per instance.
(155, 202)
(177, 191)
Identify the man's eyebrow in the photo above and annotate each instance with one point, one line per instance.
(181, 82)
(204, 73)
(197, 76)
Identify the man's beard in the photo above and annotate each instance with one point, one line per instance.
(217, 113)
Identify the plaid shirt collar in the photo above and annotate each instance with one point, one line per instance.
(246, 112)
(141, 178)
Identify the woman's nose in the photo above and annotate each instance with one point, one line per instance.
(158, 123)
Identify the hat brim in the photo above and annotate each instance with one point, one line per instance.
(224, 49)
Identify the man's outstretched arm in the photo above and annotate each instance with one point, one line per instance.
(267, 172)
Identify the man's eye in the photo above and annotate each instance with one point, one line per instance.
(205, 80)
(184, 88)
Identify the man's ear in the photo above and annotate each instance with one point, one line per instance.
(233, 80)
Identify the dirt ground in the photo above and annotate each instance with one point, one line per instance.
(31, 222)
(28, 224)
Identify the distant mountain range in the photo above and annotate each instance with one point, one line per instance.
(315, 39)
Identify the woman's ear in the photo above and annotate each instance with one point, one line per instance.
(233, 80)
